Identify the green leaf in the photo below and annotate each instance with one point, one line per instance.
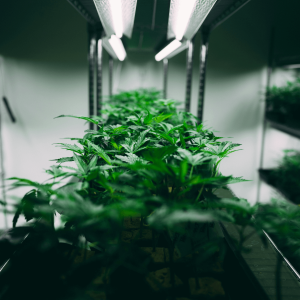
(162, 117)
(148, 119)
(81, 165)
(162, 153)
(93, 162)
(69, 147)
(131, 159)
(182, 141)
(236, 180)
(63, 159)
(100, 152)
(82, 118)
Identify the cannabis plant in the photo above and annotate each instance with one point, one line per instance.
(286, 177)
(139, 199)
(283, 104)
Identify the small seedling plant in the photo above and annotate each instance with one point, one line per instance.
(145, 168)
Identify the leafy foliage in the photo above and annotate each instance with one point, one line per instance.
(144, 160)
(286, 177)
(283, 103)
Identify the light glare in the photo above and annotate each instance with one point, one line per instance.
(117, 17)
(183, 15)
(167, 50)
(118, 47)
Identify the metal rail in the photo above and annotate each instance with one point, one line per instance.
(99, 74)
(189, 75)
(294, 271)
(92, 61)
(203, 63)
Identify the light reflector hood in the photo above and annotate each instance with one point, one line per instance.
(117, 16)
(186, 17)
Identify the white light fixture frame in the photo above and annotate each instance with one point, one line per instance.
(117, 16)
(186, 17)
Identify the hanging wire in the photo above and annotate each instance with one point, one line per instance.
(1, 143)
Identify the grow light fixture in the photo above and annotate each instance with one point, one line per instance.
(186, 17)
(167, 50)
(183, 12)
(117, 16)
(118, 47)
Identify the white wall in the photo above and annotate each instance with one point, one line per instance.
(45, 75)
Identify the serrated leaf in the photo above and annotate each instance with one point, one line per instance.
(63, 159)
(93, 162)
(70, 147)
(81, 165)
(100, 152)
(82, 118)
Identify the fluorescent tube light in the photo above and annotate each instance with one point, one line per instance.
(183, 47)
(183, 15)
(167, 50)
(117, 17)
(118, 47)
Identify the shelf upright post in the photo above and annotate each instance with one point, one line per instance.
(189, 75)
(111, 71)
(99, 72)
(91, 63)
(269, 74)
(166, 65)
(205, 32)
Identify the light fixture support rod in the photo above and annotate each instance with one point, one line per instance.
(166, 65)
(189, 75)
(203, 62)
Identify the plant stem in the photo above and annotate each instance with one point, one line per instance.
(191, 173)
(200, 192)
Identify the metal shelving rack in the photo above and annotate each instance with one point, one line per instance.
(278, 126)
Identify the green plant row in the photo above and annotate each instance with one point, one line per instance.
(145, 161)
(283, 104)
(286, 177)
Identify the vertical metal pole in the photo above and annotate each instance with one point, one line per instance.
(99, 75)
(111, 69)
(269, 74)
(189, 75)
(203, 61)
(166, 64)
(91, 59)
